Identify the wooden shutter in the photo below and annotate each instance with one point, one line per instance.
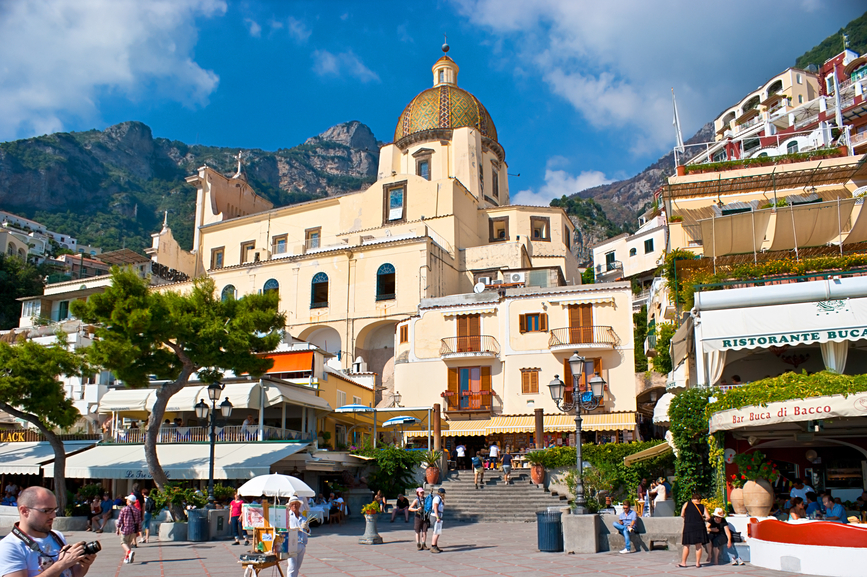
(454, 399)
(525, 381)
(522, 320)
(581, 323)
(567, 378)
(529, 382)
(485, 399)
(543, 322)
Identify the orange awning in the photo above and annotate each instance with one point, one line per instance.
(291, 362)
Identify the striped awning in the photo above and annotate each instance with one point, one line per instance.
(563, 423)
(465, 312)
(584, 301)
(470, 428)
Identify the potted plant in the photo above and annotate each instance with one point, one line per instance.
(758, 474)
(737, 495)
(537, 466)
(431, 459)
(371, 534)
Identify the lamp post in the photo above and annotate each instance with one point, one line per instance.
(202, 410)
(587, 401)
(395, 399)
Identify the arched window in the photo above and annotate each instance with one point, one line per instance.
(271, 285)
(385, 282)
(228, 293)
(633, 251)
(319, 291)
(792, 147)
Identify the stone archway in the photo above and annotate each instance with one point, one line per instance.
(326, 338)
(375, 344)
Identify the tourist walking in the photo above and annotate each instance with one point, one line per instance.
(128, 526)
(235, 507)
(478, 471)
(493, 455)
(149, 509)
(461, 456)
(297, 521)
(694, 529)
(507, 468)
(437, 519)
(31, 547)
(626, 525)
(422, 519)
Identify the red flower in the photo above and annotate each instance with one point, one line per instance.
(748, 467)
(743, 477)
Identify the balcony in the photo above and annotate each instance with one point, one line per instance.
(469, 402)
(473, 346)
(590, 337)
(610, 270)
(228, 434)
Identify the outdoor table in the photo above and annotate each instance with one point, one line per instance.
(318, 512)
(251, 569)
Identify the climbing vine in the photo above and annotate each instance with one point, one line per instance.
(689, 427)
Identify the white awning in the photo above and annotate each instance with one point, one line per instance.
(583, 301)
(465, 312)
(122, 400)
(180, 461)
(293, 396)
(785, 324)
(660, 411)
(28, 458)
(792, 411)
(185, 399)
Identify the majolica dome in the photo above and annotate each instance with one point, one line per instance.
(444, 106)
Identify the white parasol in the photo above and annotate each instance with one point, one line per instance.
(275, 486)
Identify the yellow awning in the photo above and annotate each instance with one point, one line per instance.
(470, 428)
(646, 454)
(465, 312)
(584, 301)
(563, 423)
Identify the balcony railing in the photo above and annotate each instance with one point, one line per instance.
(480, 345)
(859, 138)
(589, 335)
(466, 401)
(228, 434)
(609, 266)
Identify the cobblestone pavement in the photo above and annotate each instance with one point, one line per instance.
(471, 550)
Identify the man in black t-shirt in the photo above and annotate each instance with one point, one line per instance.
(507, 468)
(401, 506)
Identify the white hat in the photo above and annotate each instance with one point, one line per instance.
(132, 498)
(718, 512)
(295, 499)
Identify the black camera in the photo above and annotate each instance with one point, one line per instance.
(92, 548)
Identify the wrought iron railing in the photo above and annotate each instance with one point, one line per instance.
(470, 401)
(609, 267)
(472, 344)
(589, 335)
(228, 434)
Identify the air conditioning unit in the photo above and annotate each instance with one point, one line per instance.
(517, 277)
(496, 281)
(485, 280)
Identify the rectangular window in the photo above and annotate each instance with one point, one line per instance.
(356, 400)
(422, 168)
(469, 388)
(609, 261)
(404, 334)
(341, 398)
(541, 228)
(63, 311)
(339, 434)
(648, 246)
(247, 249)
(469, 330)
(567, 237)
(481, 181)
(280, 244)
(312, 237)
(499, 229)
(529, 381)
(495, 182)
(829, 84)
(581, 324)
(395, 204)
(217, 257)
(32, 309)
(533, 322)
(799, 79)
(800, 99)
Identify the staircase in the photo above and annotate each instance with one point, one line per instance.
(495, 502)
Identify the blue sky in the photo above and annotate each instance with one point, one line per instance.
(579, 91)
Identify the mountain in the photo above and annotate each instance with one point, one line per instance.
(109, 188)
(624, 200)
(856, 31)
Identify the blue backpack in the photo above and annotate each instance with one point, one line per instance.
(477, 463)
(428, 505)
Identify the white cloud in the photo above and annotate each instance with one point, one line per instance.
(298, 30)
(58, 56)
(326, 63)
(255, 28)
(559, 183)
(403, 33)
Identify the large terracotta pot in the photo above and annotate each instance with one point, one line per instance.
(737, 501)
(758, 497)
(537, 474)
(432, 475)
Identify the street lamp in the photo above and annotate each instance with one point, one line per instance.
(395, 399)
(202, 410)
(587, 401)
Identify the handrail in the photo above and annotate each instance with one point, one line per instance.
(227, 434)
(588, 335)
(469, 344)
(780, 278)
(481, 401)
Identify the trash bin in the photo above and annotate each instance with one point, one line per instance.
(197, 528)
(550, 531)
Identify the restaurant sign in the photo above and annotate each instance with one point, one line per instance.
(12, 436)
(791, 411)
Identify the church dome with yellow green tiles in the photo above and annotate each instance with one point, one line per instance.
(444, 107)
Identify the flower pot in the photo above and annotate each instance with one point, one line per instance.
(432, 475)
(537, 474)
(173, 531)
(371, 534)
(737, 501)
(758, 498)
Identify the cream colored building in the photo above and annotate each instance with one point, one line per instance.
(488, 357)
(348, 268)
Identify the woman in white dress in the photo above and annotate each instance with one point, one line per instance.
(297, 521)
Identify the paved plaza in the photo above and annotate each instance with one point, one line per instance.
(469, 550)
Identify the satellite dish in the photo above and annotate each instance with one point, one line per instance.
(479, 288)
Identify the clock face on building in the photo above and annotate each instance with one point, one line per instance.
(729, 456)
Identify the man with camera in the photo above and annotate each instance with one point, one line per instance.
(32, 548)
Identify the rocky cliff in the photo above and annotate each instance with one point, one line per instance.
(109, 188)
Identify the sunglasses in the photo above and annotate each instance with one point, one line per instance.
(44, 510)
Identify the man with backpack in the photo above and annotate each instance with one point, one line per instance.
(478, 471)
(422, 517)
(437, 519)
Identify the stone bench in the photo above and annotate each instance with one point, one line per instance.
(649, 532)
